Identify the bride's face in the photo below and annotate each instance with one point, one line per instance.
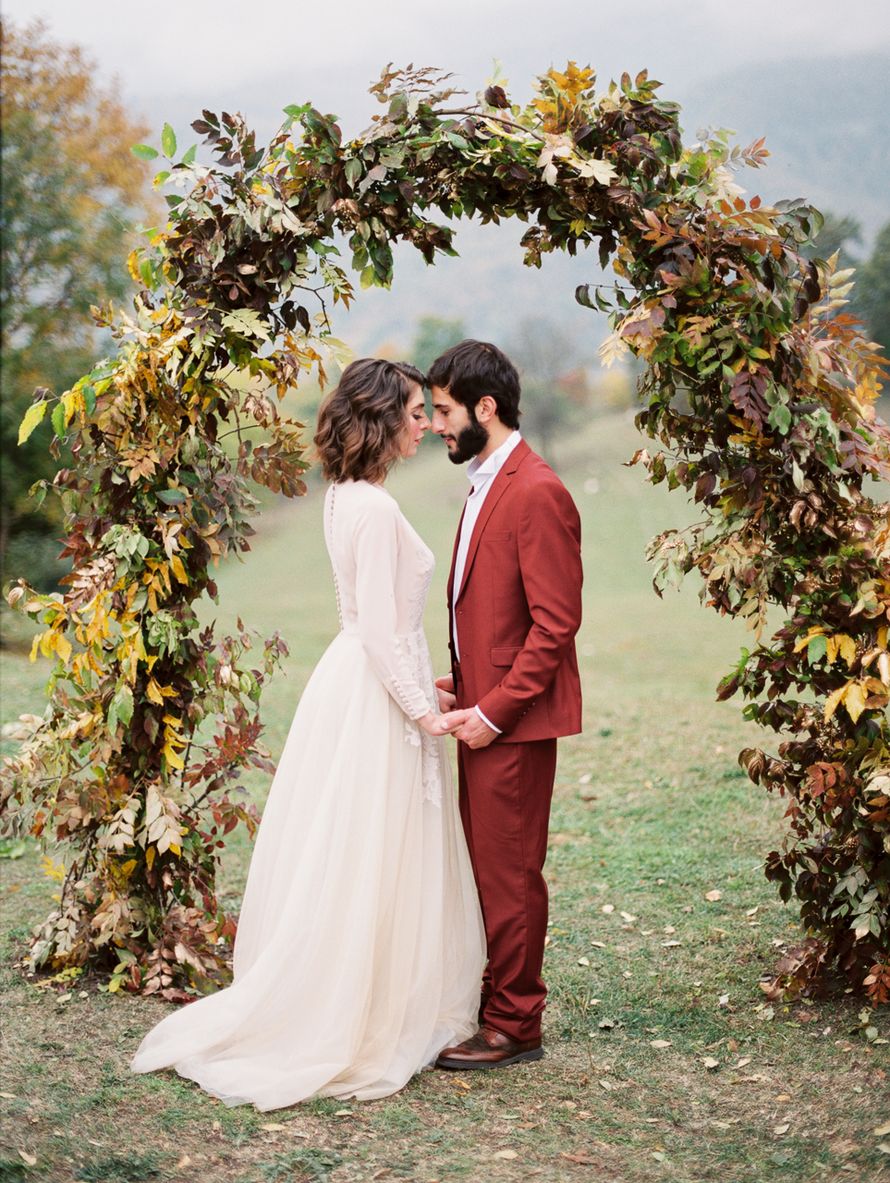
(416, 422)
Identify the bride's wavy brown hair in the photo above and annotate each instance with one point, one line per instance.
(360, 423)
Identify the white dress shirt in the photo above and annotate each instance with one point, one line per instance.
(481, 475)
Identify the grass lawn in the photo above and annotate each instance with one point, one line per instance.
(664, 1060)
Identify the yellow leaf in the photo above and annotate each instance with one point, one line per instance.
(33, 416)
(854, 700)
(178, 569)
(175, 849)
(62, 647)
(154, 692)
(173, 757)
(149, 856)
(833, 701)
(847, 647)
(127, 867)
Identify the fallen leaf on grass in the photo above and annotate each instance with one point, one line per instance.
(506, 1154)
(184, 1162)
(606, 1084)
(710, 1063)
(273, 1127)
(879, 1131)
(628, 918)
(29, 1160)
(713, 896)
(608, 909)
(583, 1160)
(884, 1147)
(783, 1128)
(669, 929)
(462, 1084)
(671, 944)
(343, 1113)
(784, 1097)
(8, 1096)
(659, 1043)
(744, 1062)
(607, 1024)
(598, 944)
(584, 961)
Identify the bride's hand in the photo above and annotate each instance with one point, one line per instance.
(434, 724)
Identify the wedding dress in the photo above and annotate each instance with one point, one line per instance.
(360, 945)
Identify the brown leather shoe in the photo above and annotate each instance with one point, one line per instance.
(489, 1049)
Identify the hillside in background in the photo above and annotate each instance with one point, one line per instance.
(826, 127)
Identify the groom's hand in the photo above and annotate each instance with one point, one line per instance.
(455, 719)
(474, 733)
(445, 693)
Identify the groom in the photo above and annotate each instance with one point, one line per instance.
(514, 599)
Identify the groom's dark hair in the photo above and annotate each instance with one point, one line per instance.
(472, 369)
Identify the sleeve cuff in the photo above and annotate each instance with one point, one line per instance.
(487, 722)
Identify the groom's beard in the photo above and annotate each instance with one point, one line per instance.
(470, 442)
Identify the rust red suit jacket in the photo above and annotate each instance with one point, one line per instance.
(519, 606)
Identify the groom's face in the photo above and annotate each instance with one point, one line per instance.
(464, 436)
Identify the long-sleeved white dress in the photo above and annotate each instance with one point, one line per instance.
(360, 945)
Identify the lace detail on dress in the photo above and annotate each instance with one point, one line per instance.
(414, 648)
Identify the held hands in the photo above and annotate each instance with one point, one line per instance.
(444, 724)
(465, 725)
(473, 732)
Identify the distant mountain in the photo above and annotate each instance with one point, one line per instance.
(825, 124)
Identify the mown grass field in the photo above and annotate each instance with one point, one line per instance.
(664, 1059)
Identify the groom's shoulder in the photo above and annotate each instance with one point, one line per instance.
(534, 470)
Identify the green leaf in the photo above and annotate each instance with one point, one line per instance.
(89, 399)
(122, 703)
(144, 151)
(168, 141)
(353, 170)
(189, 157)
(780, 418)
(171, 496)
(817, 649)
(58, 420)
(33, 416)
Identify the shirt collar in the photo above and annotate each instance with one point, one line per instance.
(479, 472)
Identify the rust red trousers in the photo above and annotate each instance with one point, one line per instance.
(505, 792)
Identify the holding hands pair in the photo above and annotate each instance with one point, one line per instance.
(464, 725)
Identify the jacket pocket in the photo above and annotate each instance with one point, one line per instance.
(505, 654)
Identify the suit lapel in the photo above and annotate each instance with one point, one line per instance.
(454, 556)
(499, 487)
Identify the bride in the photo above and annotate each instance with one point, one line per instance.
(360, 946)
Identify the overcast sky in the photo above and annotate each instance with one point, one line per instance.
(173, 59)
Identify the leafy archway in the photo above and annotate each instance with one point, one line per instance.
(757, 394)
